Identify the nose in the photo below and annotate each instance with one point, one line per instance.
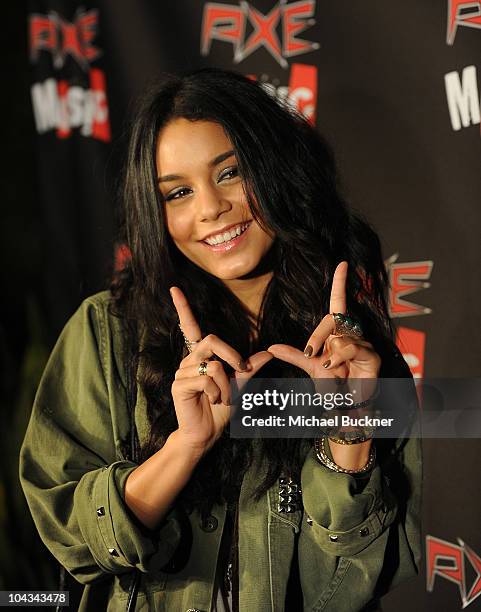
(211, 203)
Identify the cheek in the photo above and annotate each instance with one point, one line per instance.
(263, 238)
(179, 225)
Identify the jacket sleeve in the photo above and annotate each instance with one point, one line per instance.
(69, 467)
(374, 522)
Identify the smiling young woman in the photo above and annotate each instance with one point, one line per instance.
(206, 206)
(238, 233)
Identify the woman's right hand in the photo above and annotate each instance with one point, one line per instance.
(202, 402)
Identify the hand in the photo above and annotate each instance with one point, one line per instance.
(202, 403)
(341, 356)
(344, 357)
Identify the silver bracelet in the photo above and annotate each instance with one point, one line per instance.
(323, 458)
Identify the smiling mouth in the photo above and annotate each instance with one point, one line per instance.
(227, 237)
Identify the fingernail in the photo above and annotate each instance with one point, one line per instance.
(242, 365)
(326, 364)
(308, 351)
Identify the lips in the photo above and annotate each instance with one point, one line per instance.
(228, 238)
(223, 230)
(227, 234)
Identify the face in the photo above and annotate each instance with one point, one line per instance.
(206, 208)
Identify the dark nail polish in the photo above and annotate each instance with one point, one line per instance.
(326, 364)
(242, 364)
(308, 350)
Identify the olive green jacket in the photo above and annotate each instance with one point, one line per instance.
(351, 543)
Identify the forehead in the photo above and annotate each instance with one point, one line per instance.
(183, 143)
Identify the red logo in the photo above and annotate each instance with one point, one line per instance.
(62, 105)
(122, 256)
(412, 344)
(301, 93)
(227, 23)
(405, 279)
(303, 90)
(446, 560)
(62, 38)
(462, 13)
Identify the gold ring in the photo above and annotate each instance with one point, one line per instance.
(203, 369)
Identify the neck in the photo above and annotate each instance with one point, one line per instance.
(250, 291)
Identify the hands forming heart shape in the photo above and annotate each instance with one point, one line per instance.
(325, 356)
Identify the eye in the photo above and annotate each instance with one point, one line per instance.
(177, 194)
(228, 173)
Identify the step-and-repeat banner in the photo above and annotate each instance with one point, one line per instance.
(393, 86)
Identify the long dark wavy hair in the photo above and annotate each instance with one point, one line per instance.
(291, 182)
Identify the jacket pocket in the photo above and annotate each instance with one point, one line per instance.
(333, 585)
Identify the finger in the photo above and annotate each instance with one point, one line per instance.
(287, 353)
(334, 343)
(349, 352)
(325, 328)
(338, 289)
(189, 388)
(187, 321)
(255, 362)
(212, 345)
(216, 371)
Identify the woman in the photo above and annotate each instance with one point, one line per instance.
(236, 231)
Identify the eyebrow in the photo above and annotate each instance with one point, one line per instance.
(214, 162)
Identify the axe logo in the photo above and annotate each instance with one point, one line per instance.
(228, 23)
(447, 560)
(462, 13)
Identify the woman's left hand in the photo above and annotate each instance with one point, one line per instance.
(327, 355)
(344, 357)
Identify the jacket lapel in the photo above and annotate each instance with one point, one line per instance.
(266, 545)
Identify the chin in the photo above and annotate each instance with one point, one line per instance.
(227, 275)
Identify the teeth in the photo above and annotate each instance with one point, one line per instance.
(226, 236)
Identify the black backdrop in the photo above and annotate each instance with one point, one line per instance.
(393, 85)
